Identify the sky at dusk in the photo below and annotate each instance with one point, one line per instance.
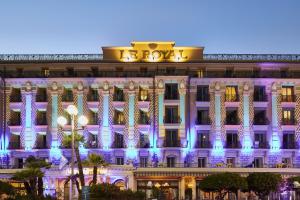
(78, 26)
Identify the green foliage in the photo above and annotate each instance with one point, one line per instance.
(222, 183)
(107, 191)
(67, 140)
(6, 188)
(32, 162)
(263, 183)
(27, 174)
(96, 160)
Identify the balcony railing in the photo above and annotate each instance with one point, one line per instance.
(231, 98)
(289, 145)
(230, 145)
(172, 120)
(288, 98)
(201, 144)
(261, 145)
(171, 96)
(40, 145)
(175, 143)
(41, 98)
(15, 98)
(14, 122)
(288, 122)
(41, 121)
(232, 121)
(14, 145)
(261, 121)
(203, 98)
(118, 97)
(205, 121)
(260, 98)
(118, 145)
(144, 145)
(92, 144)
(119, 122)
(144, 120)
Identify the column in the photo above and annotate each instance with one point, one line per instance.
(54, 115)
(161, 131)
(194, 188)
(247, 142)
(275, 141)
(105, 130)
(182, 110)
(29, 134)
(218, 144)
(131, 152)
(132, 183)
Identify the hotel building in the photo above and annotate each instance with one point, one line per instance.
(161, 115)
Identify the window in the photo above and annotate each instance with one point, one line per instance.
(288, 116)
(119, 117)
(41, 95)
(258, 162)
(41, 141)
(119, 140)
(144, 117)
(15, 95)
(93, 120)
(45, 72)
(94, 71)
(93, 94)
(260, 93)
(231, 93)
(144, 140)
(119, 160)
(232, 140)
(171, 138)
(203, 117)
(232, 116)
(171, 91)
(143, 161)
(260, 140)
(70, 71)
(203, 139)
(93, 140)
(200, 73)
(41, 118)
(170, 70)
(202, 93)
(201, 162)
(287, 93)
(68, 95)
(14, 142)
(15, 118)
(289, 140)
(118, 94)
(171, 114)
(260, 117)
(143, 94)
(170, 161)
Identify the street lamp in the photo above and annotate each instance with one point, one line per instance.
(62, 121)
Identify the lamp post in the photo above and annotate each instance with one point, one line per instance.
(62, 121)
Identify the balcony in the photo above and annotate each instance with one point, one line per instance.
(260, 98)
(231, 98)
(205, 121)
(288, 98)
(233, 145)
(172, 120)
(289, 145)
(261, 121)
(174, 143)
(232, 121)
(41, 98)
(92, 144)
(40, 145)
(144, 144)
(144, 120)
(119, 96)
(14, 145)
(288, 122)
(118, 145)
(261, 145)
(203, 144)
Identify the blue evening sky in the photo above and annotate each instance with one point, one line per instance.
(83, 26)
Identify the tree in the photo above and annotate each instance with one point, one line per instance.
(263, 183)
(67, 142)
(109, 191)
(95, 160)
(6, 189)
(223, 183)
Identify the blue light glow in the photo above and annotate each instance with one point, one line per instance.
(131, 153)
(247, 145)
(218, 149)
(55, 151)
(275, 144)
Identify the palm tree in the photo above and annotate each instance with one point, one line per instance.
(95, 160)
(67, 142)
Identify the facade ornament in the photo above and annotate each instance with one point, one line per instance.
(54, 86)
(160, 84)
(246, 87)
(217, 86)
(105, 85)
(80, 86)
(28, 86)
(274, 87)
(182, 84)
(131, 85)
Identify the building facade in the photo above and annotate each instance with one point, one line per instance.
(161, 115)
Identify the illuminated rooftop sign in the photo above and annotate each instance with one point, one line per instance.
(152, 52)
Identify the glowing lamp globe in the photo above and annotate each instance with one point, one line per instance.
(72, 110)
(62, 121)
(82, 120)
